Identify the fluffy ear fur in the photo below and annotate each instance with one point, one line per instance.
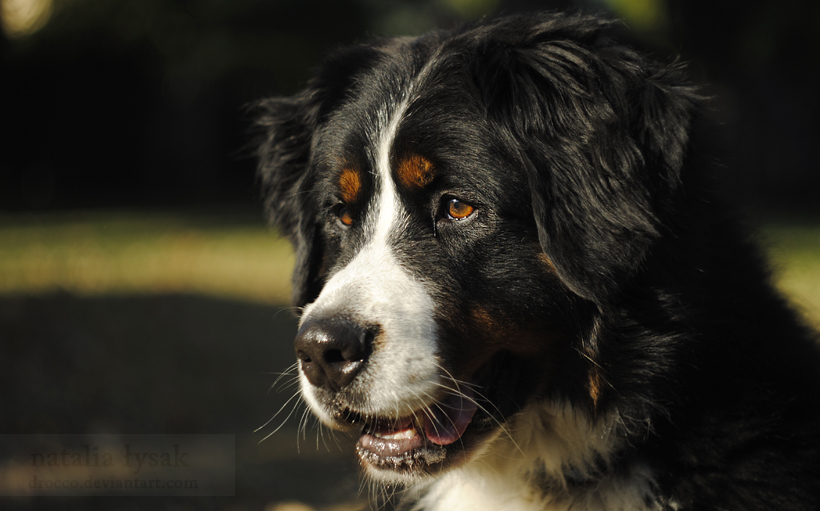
(288, 127)
(604, 134)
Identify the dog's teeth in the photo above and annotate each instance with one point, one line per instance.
(398, 435)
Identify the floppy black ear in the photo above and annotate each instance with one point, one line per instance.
(603, 133)
(288, 128)
(288, 125)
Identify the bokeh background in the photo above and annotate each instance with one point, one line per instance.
(140, 290)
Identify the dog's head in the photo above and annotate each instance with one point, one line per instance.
(462, 206)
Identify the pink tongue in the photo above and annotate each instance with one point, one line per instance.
(451, 418)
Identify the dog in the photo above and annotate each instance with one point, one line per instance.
(517, 287)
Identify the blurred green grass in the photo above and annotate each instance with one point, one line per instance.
(232, 254)
(226, 254)
(794, 251)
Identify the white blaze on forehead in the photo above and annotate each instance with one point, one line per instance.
(388, 207)
(376, 290)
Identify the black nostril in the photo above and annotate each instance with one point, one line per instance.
(331, 352)
(334, 356)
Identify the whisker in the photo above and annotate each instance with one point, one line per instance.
(364, 481)
(303, 423)
(293, 310)
(336, 440)
(282, 373)
(289, 385)
(298, 393)
(284, 421)
(286, 372)
(321, 432)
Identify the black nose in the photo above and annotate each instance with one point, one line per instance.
(332, 352)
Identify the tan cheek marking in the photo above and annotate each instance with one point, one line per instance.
(503, 334)
(350, 185)
(594, 386)
(415, 172)
(595, 379)
(546, 260)
(487, 334)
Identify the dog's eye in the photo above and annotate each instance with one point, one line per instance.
(343, 214)
(458, 209)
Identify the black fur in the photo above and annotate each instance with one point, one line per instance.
(576, 146)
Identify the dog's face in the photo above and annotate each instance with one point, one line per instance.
(462, 206)
(440, 311)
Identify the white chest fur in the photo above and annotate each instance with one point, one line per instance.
(544, 445)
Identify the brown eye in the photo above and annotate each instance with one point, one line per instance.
(459, 210)
(344, 215)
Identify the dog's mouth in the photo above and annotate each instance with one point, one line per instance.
(419, 439)
(443, 434)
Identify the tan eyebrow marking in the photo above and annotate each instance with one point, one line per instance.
(415, 172)
(350, 184)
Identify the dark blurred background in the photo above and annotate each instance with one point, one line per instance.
(140, 291)
(142, 102)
